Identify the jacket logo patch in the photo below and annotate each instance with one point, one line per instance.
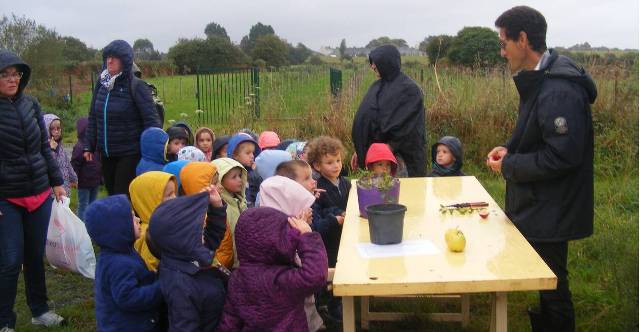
(561, 125)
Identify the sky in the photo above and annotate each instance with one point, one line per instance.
(324, 23)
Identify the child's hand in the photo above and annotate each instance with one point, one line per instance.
(340, 220)
(53, 144)
(306, 215)
(317, 192)
(300, 225)
(214, 196)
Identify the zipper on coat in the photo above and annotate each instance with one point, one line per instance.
(104, 129)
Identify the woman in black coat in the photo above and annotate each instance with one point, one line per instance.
(391, 112)
(27, 174)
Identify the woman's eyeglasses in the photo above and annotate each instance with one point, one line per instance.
(15, 75)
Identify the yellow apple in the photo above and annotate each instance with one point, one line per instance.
(455, 240)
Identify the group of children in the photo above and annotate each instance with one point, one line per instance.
(228, 234)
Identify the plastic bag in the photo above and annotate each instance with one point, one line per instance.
(68, 243)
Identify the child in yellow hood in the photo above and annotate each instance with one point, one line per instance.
(233, 177)
(147, 191)
(195, 176)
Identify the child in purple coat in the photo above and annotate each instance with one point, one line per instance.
(268, 290)
(89, 172)
(53, 124)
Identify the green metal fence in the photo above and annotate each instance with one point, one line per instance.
(221, 93)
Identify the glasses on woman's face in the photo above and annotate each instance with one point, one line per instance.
(16, 75)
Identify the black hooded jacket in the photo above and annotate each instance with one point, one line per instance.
(392, 112)
(26, 165)
(455, 146)
(549, 165)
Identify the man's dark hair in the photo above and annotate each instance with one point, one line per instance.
(527, 19)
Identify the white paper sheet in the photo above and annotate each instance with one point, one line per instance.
(405, 248)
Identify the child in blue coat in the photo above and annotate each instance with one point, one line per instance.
(185, 231)
(127, 295)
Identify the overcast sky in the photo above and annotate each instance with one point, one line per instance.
(324, 23)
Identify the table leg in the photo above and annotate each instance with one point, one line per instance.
(348, 314)
(499, 312)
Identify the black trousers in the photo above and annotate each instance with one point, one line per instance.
(118, 172)
(556, 308)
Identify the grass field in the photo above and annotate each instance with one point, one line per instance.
(480, 108)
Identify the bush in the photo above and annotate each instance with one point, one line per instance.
(475, 47)
(191, 55)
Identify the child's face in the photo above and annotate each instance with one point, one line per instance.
(444, 157)
(136, 225)
(330, 166)
(55, 129)
(303, 156)
(222, 151)
(204, 142)
(244, 153)
(381, 167)
(305, 178)
(232, 181)
(169, 191)
(176, 144)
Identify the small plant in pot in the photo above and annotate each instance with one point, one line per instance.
(376, 189)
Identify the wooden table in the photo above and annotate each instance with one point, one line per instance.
(497, 258)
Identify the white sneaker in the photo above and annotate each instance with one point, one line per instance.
(48, 319)
(7, 329)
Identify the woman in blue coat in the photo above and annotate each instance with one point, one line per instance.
(121, 109)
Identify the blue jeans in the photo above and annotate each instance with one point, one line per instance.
(86, 196)
(23, 236)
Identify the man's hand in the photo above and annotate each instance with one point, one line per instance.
(340, 220)
(300, 225)
(494, 158)
(59, 193)
(88, 156)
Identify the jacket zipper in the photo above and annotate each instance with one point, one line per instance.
(104, 112)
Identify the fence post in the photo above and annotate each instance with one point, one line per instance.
(71, 92)
(255, 82)
(335, 81)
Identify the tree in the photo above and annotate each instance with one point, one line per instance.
(45, 55)
(75, 50)
(298, 54)
(17, 33)
(343, 48)
(143, 50)
(214, 29)
(436, 47)
(258, 30)
(475, 46)
(386, 40)
(272, 50)
(191, 55)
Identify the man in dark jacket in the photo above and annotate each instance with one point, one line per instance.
(548, 161)
(391, 112)
(117, 118)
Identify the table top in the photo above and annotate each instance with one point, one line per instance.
(497, 258)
